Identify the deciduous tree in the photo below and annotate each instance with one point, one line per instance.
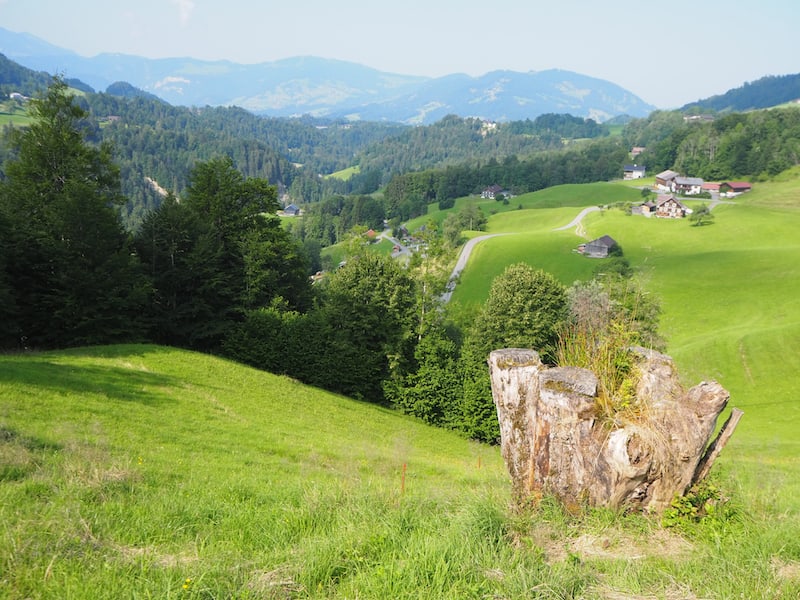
(525, 309)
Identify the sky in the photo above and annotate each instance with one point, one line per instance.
(667, 53)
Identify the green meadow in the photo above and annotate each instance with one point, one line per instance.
(574, 195)
(12, 114)
(140, 471)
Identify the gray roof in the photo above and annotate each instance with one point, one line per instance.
(606, 241)
(689, 181)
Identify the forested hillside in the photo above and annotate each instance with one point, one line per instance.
(767, 91)
(161, 142)
(455, 140)
(752, 145)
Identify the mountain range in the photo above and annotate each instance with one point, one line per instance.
(335, 89)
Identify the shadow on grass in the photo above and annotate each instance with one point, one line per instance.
(117, 383)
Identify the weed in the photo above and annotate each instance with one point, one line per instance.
(703, 504)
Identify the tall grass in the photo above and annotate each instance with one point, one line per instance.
(607, 353)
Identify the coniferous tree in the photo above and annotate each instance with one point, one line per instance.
(217, 254)
(74, 277)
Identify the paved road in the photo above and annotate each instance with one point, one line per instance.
(387, 234)
(576, 221)
(462, 262)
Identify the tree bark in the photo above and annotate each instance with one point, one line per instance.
(555, 441)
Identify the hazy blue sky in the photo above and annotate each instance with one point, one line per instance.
(667, 53)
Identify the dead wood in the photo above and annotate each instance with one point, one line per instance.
(555, 441)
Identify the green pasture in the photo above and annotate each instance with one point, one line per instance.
(339, 252)
(148, 472)
(345, 174)
(590, 194)
(11, 114)
(141, 471)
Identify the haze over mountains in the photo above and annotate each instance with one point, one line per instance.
(336, 89)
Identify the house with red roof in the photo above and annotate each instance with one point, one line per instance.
(734, 188)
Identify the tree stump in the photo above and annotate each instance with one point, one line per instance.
(555, 441)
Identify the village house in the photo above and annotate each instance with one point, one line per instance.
(669, 207)
(645, 209)
(292, 210)
(637, 150)
(687, 186)
(491, 191)
(664, 180)
(633, 171)
(602, 247)
(734, 188)
(710, 187)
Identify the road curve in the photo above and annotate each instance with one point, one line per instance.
(576, 221)
(462, 262)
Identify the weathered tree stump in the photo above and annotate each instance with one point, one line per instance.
(555, 441)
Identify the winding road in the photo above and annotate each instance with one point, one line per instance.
(462, 262)
(470, 245)
(577, 220)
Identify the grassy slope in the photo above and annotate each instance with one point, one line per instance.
(147, 472)
(593, 194)
(130, 469)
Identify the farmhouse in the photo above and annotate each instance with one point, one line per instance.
(669, 207)
(646, 208)
(633, 171)
(599, 248)
(491, 191)
(688, 186)
(664, 180)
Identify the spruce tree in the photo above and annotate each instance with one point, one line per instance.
(74, 278)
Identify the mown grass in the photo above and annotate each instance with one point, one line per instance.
(345, 174)
(14, 115)
(573, 195)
